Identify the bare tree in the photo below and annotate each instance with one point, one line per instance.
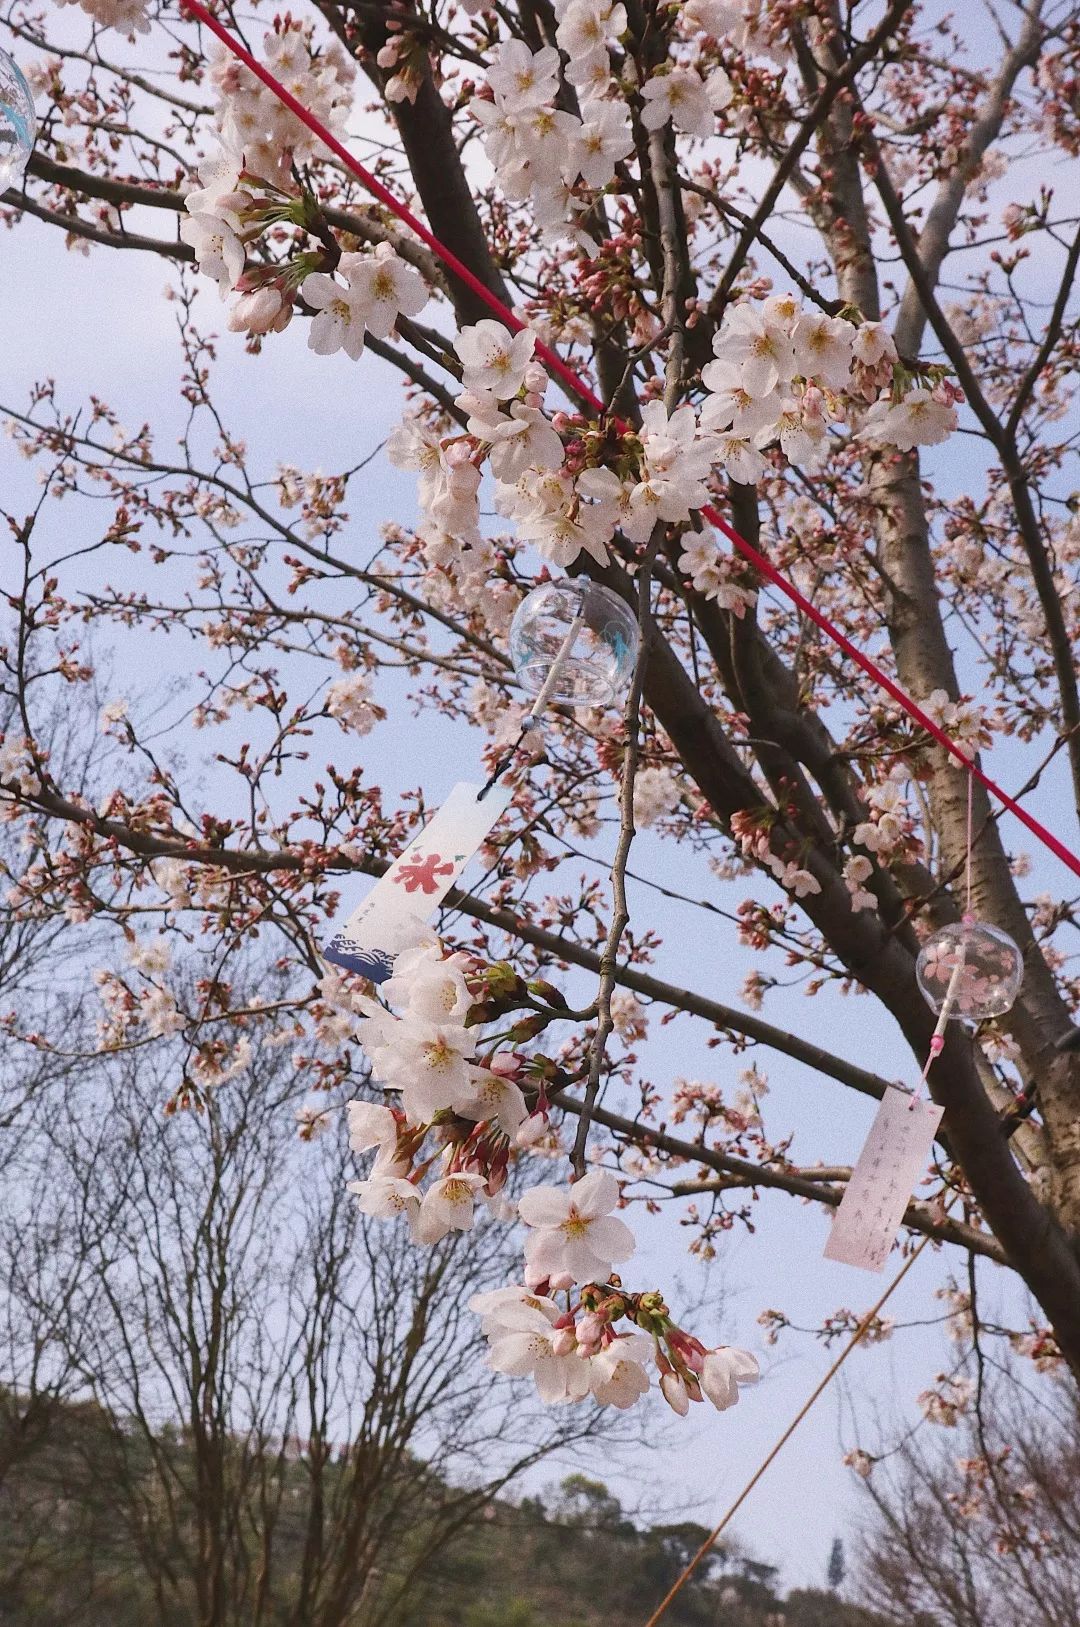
(981, 1527)
(282, 1411)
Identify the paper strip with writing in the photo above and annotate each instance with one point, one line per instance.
(896, 1154)
(407, 896)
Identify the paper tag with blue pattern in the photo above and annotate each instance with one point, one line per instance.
(403, 900)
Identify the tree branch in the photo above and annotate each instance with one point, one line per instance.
(742, 1173)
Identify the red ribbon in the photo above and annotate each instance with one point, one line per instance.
(555, 364)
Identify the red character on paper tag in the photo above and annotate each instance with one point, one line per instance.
(419, 875)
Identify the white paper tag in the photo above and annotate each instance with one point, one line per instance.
(410, 892)
(896, 1153)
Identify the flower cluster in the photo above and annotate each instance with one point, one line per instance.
(680, 96)
(426, 1055)
(126, 16)
(374, 290)
(715, 574)
(572, 1350)
(474, 1109)
(349, 700)
(539, 151)
(216, 221)
(18, 774)
(949, 1402)
(749, 27)
(255, 126)
(889, 825)
(754, 836)
(377, 289)
(783, 373)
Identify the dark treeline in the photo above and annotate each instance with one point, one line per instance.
(72, 1553)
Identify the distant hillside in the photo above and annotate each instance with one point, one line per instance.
(576, 1561)
(81, 1506)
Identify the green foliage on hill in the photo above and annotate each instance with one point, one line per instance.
(72, 1554)
(573, 1559)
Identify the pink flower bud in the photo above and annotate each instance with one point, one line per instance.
(536, 379)
(564, 1343)
(674, 1393)
(505, 1064)
(590, 1335)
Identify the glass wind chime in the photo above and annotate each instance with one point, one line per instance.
(572, 643)
(18, 125)
(966, 972)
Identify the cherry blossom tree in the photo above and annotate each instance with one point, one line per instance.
(793, 252)
(974, 1521)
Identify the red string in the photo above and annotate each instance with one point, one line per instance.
(554, 363)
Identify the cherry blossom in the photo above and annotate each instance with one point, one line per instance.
(349, 700)
(388, 287)
(388, 1196)
(263, 310)
(498, 1098)
(574, 1232)
(676, 1393)
(920, 419)
(251, 119)
(429, 1063)
(378, 288)
(342, 316)
(218, 250)
(126, 16)
(373, 1125)
(723, 1371)
(604, 140)
(494, 359)
(857, 870)
(448, 1205)
(759, 345)
(656, 793)
(429, 983)
(617, 1373)
(523, 1344)
(680, 96)
(522, 78)
(586, 27)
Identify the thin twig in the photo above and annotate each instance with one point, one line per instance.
(620, 915)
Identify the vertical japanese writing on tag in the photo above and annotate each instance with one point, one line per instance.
(888, 1170)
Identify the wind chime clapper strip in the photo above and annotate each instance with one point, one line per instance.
(580, 389)
(897, 1149)
(388, 920)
